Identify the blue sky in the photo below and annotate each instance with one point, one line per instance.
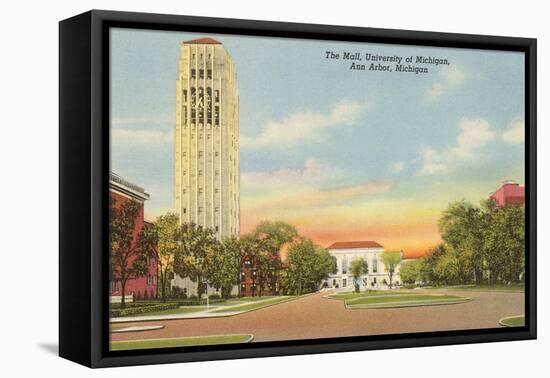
(311, 124)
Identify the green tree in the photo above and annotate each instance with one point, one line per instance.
(128, 251)
(505, 244)
(358, 267)
(447, 269)
(272, 236)
(410, 271)
(167, 230)
(391, 260)
(428, 263)
(307, 266)
(224, 266)
(197, 246)
(462, 227)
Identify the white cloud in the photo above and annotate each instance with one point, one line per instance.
(449, 77)
(130, 137)
(125, 121)
(312, 172)
(474, 134)
(515, 134)
(432, 162)
(304, 127)
(397, 167)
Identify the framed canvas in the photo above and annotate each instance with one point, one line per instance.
(234, 188)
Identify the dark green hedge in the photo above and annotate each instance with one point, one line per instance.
(138, 310)
(199, 302)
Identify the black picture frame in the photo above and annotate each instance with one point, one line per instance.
(83, 180)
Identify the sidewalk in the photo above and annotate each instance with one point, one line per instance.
(207, 313)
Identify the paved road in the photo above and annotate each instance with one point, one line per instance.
(313, 316)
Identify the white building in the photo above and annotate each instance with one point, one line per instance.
(370, 251)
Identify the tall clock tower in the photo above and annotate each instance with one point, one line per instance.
(206, 169)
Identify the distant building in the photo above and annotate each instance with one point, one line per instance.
(249, 280)
(509, 194)
(121, 191)
(370, 251)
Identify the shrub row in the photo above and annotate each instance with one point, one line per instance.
(138, 310)
(199, 302)
(133, 304)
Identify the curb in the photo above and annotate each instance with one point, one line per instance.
(404, 305)
(249, 339)
(501, 321)
(214, 315)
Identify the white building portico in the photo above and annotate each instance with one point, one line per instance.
(371, 252)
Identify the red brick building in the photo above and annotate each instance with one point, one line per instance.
(146, 286)
(509, 194)
(249, 280)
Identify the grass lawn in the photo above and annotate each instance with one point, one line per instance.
(369, 293)
(401, 298)
(513, 321)
(505, 288)
(254, 306)
(180, 342)
(175, 311)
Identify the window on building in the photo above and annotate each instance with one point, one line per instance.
(184, 210)
(217, 95)
(344, 265)
(209, 74)
(216, 154)
(193, 73)
(200, 189)
(200, 172)
(217, 115)
(201, 74)
(217, 228)
(185, 95)
(201, 153)
(375, 265)
(247, 263)
(216, 209)
(217, 173)
(200, 209)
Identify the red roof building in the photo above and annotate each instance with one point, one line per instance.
(355, 244)
(509, 194)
